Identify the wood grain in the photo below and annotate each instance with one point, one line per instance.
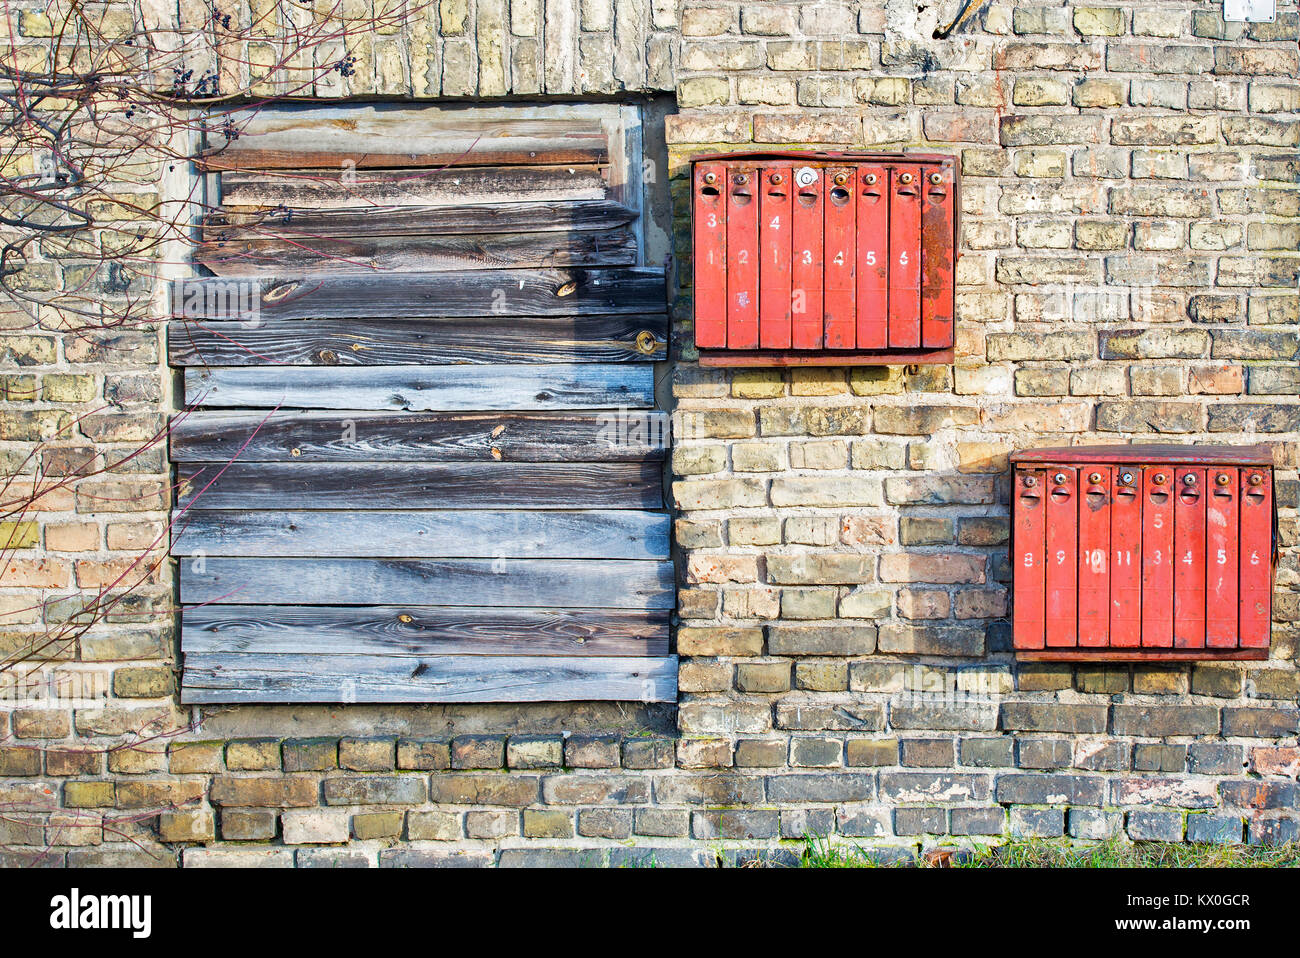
(379, 342)
(616, 534)
(211, 679)
(317, 436)
(566, 216)
(420, 388)
(416, 254)
(417, 485)
(567, 583)
(320, 190)
(397, 136)
(402, 630)
(536, 292)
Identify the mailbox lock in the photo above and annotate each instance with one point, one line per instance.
(1030, 480)
(1221, 479)
(936, 178)
(870, 178)
(905, 178)
(710, 177)
(1059, 478)
(1095, 478)
(777, 178)
(1159, 479)
(1189, 479)
(1126, 478)
(740, 179)
(805, 176)
(1256, 479)
(841, 179)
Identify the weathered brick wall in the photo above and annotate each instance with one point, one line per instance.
(1129, 263)
(1128, 272)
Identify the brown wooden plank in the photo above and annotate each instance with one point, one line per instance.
(417, 254)
(446, 388)
(747, 359)
(415, 485)
(1142, 655)
(320, 190)
(551, 292)
(419, 631)
(542, 583)
(393, 136)
(290, 436)
(381, 342)
(306, 226)
(438, 534)
(211, 679)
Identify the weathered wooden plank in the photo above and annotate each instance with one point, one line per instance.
(399, 630)
(417, 485)
(291, 436)
(212, 679)
(394, 136)
(417, 254)
(318, 190)
(617, 534)
(566, 216)
(567, 583)
(420, 388)
(491, 292)
(378, 342)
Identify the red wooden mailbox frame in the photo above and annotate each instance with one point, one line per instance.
(824, 259)
(1143, 553)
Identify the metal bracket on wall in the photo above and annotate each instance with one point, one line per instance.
(1250, 11)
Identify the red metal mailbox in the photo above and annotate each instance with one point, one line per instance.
(824, 258)
(1131, 553)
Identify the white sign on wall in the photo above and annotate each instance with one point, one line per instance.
(1250, 11)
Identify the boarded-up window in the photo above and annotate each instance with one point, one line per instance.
(424, 462)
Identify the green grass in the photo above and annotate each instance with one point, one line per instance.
(819, 853)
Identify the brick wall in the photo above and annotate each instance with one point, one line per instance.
(1131, 218)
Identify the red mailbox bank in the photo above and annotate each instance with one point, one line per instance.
(824, 258)
(1129, 553)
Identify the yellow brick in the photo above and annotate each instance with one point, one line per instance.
(757, 384)
(817, 382)
(18, 535)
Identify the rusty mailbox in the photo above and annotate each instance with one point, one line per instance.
(824, 258)
(1130, 553)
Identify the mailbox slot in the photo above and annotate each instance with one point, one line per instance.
(824, 258)
(1126, 553)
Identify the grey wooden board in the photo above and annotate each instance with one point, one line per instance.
(415, 254)
(617, 534)
(306, 226)
(449, 678)
(387, 136)
(420, 485)
(489, 292)
(401, 630)
(318, 190)
(292, 436)
(417, 388)
(567, 583)
(381, 342)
